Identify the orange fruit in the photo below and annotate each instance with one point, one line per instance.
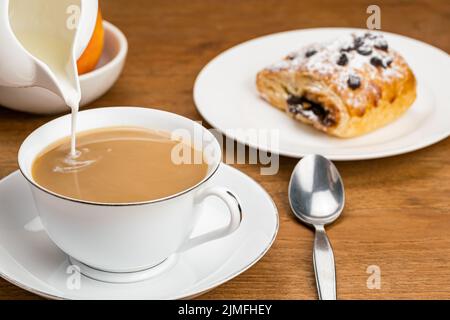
(93, 51)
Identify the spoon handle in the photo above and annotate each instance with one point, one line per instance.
(324, 265)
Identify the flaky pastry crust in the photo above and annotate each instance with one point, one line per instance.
(345, 88)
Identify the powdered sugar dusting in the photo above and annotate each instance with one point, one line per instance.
(355, 66)
(358, 48)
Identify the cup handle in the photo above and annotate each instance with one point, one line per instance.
(234, 208)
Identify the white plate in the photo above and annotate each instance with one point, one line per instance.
(31, 261)
(93, 84)
(226, 96)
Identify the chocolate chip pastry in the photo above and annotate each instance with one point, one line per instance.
(345, 88)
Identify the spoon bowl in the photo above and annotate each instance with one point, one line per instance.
(316, 191)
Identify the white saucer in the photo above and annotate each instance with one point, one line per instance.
(226, 96)
(31, 261)
(93, 84)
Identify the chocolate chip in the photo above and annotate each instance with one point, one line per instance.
(353, 82)
(294, 100)
(377, 61)
(310, 53)
(358, 42)
(343, 60)
(381, 44)
(381, 62)
(294, 109)
(291, 56)
(364, 50)
(303, 106)
(388, 61)
(346, 49)
(370, 36)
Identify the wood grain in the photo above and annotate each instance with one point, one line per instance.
(397, 214)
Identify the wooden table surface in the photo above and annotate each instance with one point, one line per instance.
(397, 214)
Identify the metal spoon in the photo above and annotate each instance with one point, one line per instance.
(316, 196)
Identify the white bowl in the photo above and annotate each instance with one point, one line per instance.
(93, 84)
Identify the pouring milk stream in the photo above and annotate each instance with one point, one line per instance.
(41, 42)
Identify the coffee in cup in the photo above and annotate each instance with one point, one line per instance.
(118, 165)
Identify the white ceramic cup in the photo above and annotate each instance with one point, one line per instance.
(131, 236)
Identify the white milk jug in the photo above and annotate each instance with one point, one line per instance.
(40, 42)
